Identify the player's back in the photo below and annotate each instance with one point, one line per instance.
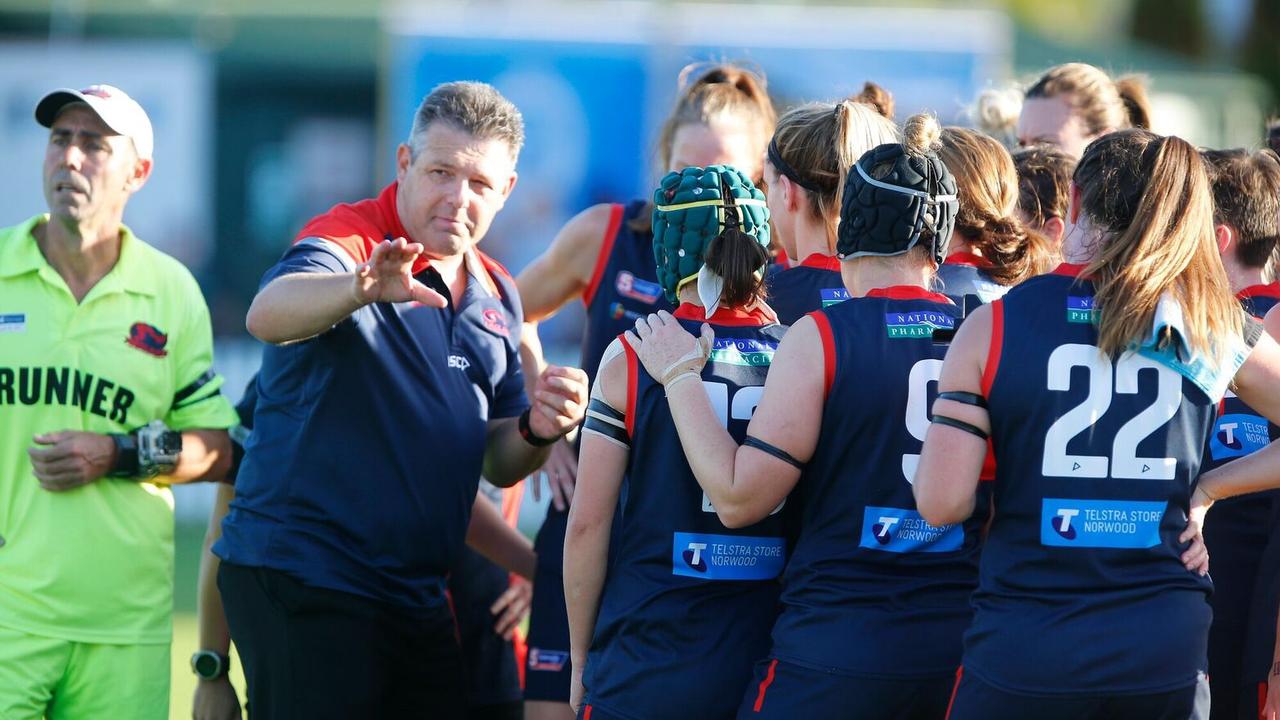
(813, 284)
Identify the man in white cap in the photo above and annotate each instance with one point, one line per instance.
(107, 396)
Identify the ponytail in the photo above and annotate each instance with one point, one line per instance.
(1150, 196)
(1137, 106)
(738, 258)
(988, 220)
(877, 98)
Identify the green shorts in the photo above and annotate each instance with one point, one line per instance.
(42, 677)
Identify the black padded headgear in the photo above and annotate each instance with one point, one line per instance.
(886, 216)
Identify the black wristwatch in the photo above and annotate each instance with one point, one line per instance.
(210, 665)
(526, 432)
(150, 450)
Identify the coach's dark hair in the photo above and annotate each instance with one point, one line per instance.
(1246, 196)
(1149, 197)
(474, 107)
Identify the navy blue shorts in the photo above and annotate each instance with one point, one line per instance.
(979, 700)
(547, 670)
(786, 691)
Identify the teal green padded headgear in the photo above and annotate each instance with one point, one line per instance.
(693, 207)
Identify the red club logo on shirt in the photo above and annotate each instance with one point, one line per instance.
(494, 322)
(148, 339)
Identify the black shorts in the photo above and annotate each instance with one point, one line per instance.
(547, 669)
(784, 691)
(979, 700)
(317, 653)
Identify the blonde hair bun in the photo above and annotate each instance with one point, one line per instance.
(922, 134)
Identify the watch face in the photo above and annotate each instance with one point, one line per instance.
(206, 664)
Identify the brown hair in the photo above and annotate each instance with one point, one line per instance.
(1103, 104)
(988, 191)
(1246, 196)
(1150, 197)
(1273, 135)
(477, 108)
(723, 90)
(1044, 182)
(820, 142)
(738, 258)
(877, 97)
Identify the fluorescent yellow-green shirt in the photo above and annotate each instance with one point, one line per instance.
(95, 564)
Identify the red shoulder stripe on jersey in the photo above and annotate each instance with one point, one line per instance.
(633, 375)
(994, 349)
(828, 350)
(764, 685)
(606, 249)
(733, 317)
(358, 227)
(988, 472)
(1069, 269)
(1271, 291)
(967, 258)
(821, 262)
(908, 292)
(954, 689)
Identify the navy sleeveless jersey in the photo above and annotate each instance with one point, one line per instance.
(812, 285)
(871, 588)
(624, 285)
(687, 603)
(966, 274)
(1081, 588)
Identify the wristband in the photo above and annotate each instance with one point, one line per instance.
(526, 432)
(126, 463)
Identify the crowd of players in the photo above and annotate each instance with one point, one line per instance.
(964, 399)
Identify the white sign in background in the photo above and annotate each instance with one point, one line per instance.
(172, 81)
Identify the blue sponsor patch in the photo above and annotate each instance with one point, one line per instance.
(833, 296)
(1080, 309)
(13, 323)
(1237, 435)
(903, 531)
(630, 286)
(917, 324)
(547, 660)
(1100, 523)
(727, 557)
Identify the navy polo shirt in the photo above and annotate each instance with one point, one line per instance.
(368, 439)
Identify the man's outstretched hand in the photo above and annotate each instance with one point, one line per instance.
(388, 276)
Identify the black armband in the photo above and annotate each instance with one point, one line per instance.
(961, 396)
(606, 421)
(126, 463)
(764, 447)
(960, 425)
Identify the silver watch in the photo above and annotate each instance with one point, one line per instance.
(158, 449)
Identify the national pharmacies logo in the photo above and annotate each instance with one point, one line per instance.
(833, 296)
(743, 351)
(1133, 524)
(917, 324)
(1080, 309)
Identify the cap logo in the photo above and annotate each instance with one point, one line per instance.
(96, 91)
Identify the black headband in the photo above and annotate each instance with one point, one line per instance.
(781, 166)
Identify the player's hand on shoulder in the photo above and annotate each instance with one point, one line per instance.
(559, 401)
(70, 459)
(666, 349)
(388, 276)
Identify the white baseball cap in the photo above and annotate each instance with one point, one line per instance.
(120, 112)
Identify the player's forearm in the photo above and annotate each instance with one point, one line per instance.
(503, 545)
(531, 359)
(1249, 474)
(206, 455)
(586, 549)
(300, 306)
(211, 619)
(508, 458)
